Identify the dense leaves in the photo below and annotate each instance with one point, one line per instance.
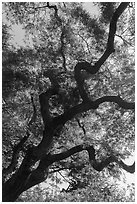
(68, 94)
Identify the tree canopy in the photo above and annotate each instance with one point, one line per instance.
(68, 100)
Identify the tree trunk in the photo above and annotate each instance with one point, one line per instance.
(25, 177)
(13, 188)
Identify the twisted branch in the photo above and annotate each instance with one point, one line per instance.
(83, 107)
(98, 166)
(109, 49)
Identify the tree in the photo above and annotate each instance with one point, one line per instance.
(68, 68)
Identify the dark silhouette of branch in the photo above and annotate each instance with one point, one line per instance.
(14, 160)
(62, 49)
(25, 177)
(59, 169)
(124, 40)
(88, 48)
(37, 176)
(130, 169)
(99, 166)
(18, 147)
(64, 178)
(45, 96)
(87, 103)
(70, 113)
(109, 49)
(60, 120)
(54, 7)
(81, 126)
(46, 6)
(44, 104)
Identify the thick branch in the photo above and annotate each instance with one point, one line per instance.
(130, 169)
(50, 73)
(112, 31)
(109, 49)
(18, 180)
(14, 160)
(66, 154)
(37, 176)
(99, 166)
(70, 113)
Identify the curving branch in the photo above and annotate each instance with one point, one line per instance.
(130, 169)
(25, 177)
(85, 106)
(109, 49)
(53, 7)
(98, 166)
(60, 120)
(87, 103)
(112, 31)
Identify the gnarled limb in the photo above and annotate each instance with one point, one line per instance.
(70, 113)
(109, 49)
(99, 166)
(25, 177)
(130, 169)
(111, 36)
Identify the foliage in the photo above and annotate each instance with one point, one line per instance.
(62, 36)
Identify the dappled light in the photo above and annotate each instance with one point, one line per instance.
(68, 102)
